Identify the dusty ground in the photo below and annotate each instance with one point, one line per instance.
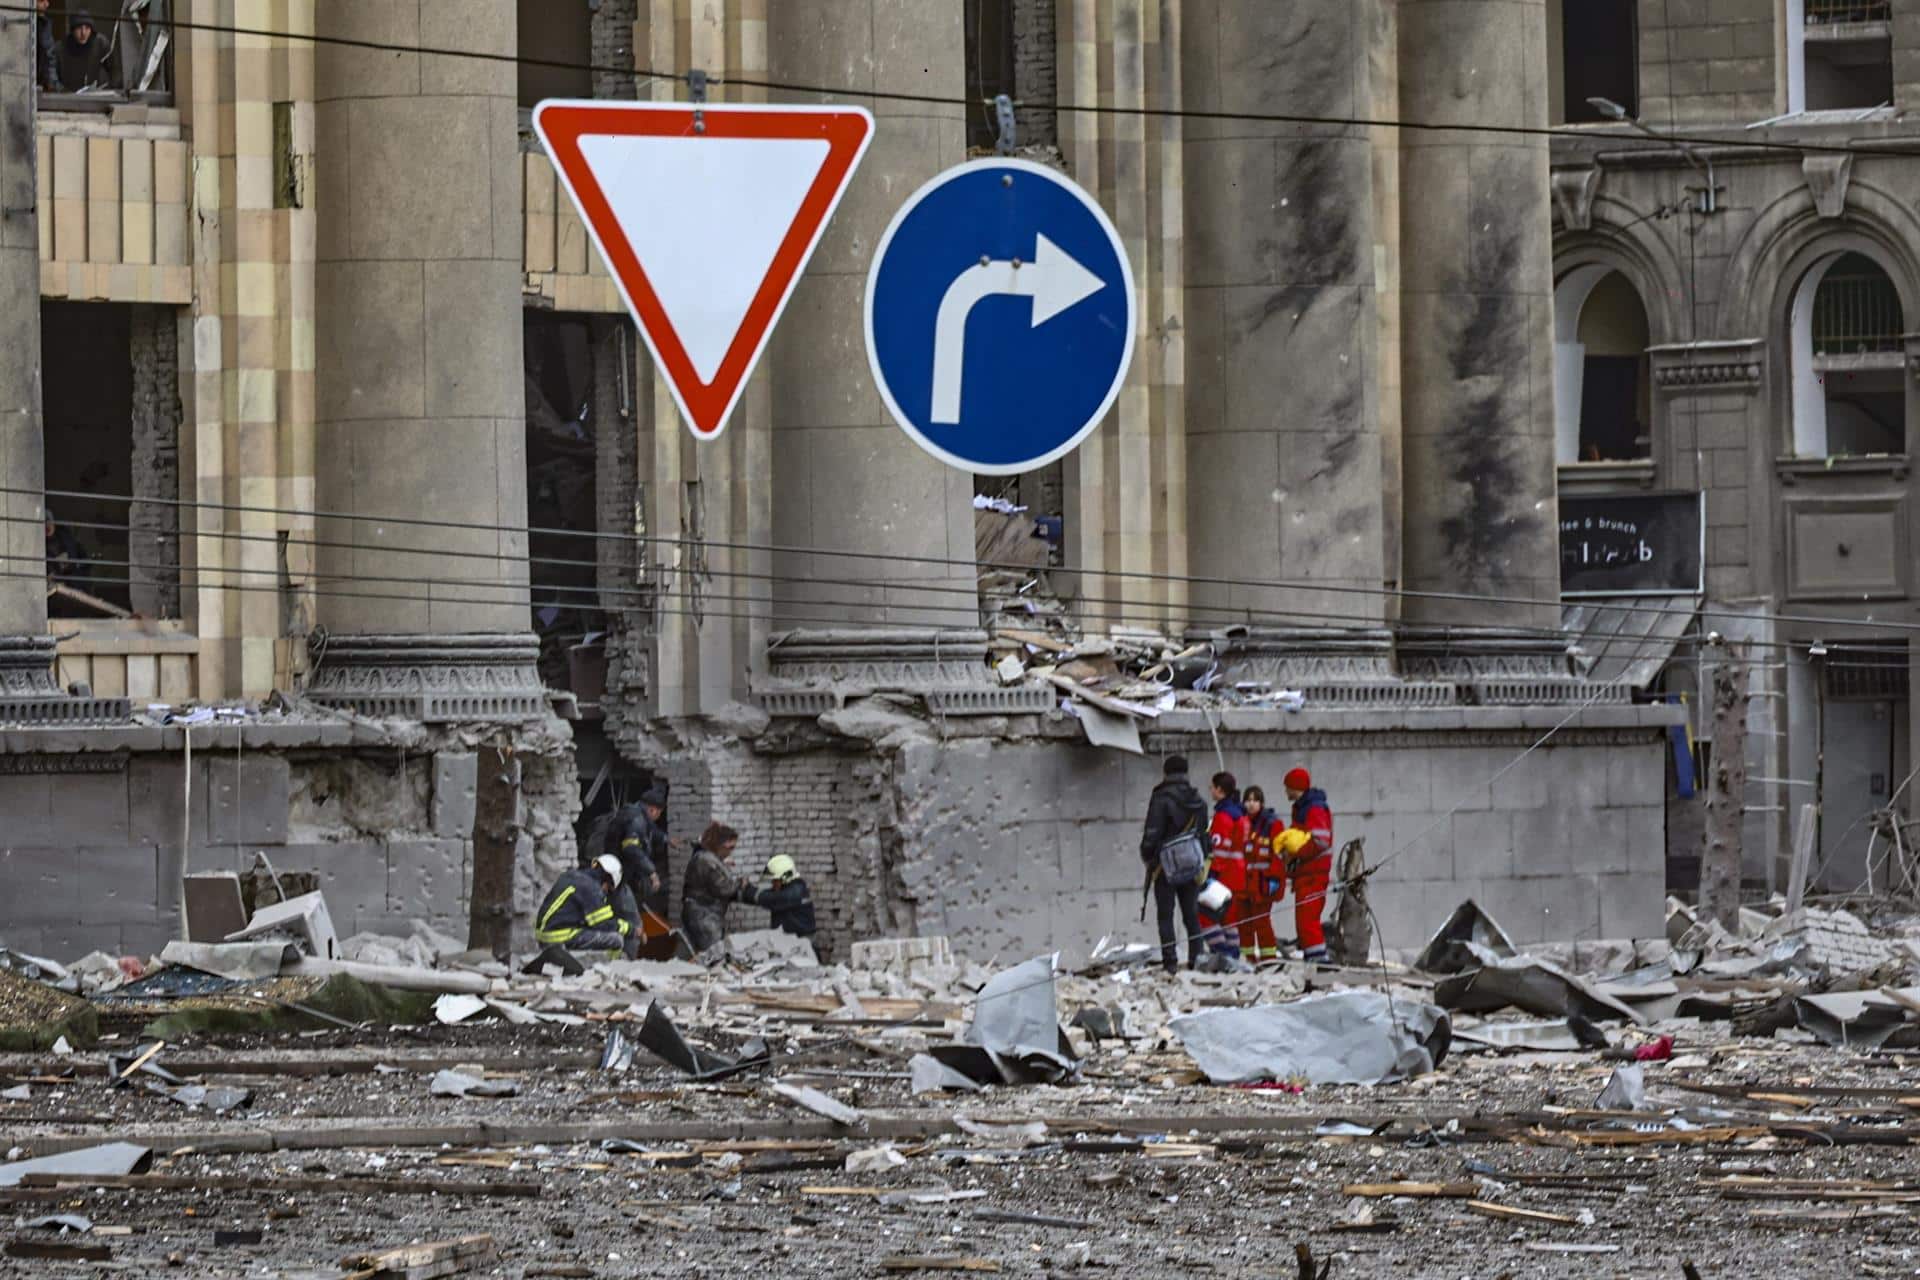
(1226, 1184)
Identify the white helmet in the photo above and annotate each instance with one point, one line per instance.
(611, 865)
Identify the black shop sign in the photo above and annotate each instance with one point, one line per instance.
(1639, 544)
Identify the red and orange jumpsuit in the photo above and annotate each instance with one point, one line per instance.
(1311, 871)
(1229, 867)
(1266, 888)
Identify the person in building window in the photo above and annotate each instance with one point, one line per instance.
(789, 901)
(710, 887)
(46, 47)
(66, 558)
(579, 914)
(1309, 858)
(83, 60)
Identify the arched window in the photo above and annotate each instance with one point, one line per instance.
(1603, 388)
(1849, 360)
(1593, 52)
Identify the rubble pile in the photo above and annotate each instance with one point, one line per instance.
(409, 1105)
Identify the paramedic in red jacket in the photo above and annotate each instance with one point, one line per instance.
(1311, 868)
(1266, 879)
(1229, 866)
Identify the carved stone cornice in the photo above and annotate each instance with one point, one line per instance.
(431, 678)
(14, 763)
(29, 694)
(1170, 742)
(1694, 368)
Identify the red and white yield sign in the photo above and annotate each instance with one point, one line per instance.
(706, 230)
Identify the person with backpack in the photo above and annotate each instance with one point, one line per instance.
(1173, 845)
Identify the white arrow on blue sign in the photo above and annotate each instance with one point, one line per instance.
(1000, 316)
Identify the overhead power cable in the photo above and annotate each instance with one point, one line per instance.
(1636, 142)
(1704, 610)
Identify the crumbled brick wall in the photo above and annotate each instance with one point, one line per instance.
(819, 807)
(153, 533)
(612, 27)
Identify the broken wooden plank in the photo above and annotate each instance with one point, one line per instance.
(152, 1051)
(905, 1262)
(819, 1103)
(343, 1186)
(58, 1251)
(426, 1261)
(1421, 1190)
(1487, 1208)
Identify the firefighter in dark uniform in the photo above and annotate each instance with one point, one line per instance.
(580, 913)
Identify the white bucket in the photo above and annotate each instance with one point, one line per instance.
(1214, 897)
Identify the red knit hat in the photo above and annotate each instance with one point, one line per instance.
(1297, 780)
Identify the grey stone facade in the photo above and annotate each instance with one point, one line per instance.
(1793, 527)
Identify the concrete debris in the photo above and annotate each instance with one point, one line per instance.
(755, 947)
(35, 967)
(1626, 1091)
(459, 1084)
(216, 1100)
(110, 1158)
(616, 1055)
(455, 1007)
(60, 1222)
(241, 961)
(820, 1104)
(1854, 1019)
(1447, 951)
(97, 972)
(1346, 1037)
(1031, 1133)
(1523, 982)
(874, 1160)
(930, 1075)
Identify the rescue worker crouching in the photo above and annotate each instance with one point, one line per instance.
(710, 887)
(578, 914)
(789, 901)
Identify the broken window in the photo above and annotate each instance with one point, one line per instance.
(989, 66)
(1603, 394)
(1849, 360)
(556, 49)
(130, 57)
(581, 480)
(110, 397)
(1593, 52)
(1841, 57)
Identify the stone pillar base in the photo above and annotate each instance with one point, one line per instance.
(431, 678)
(29, 694)
(815, 671)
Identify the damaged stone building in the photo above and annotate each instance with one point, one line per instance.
(344, 430)
(1735, 255)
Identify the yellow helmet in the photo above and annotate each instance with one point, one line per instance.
(1292, 840)
(780, 866)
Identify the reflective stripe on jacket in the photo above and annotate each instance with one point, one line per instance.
(574, 904)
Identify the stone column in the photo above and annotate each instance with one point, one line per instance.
(1477, 333)
(1283, 415)
(26, 650)
(419, 368)
(845, 477)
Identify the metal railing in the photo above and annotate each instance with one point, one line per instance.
(1856, 315)
(1823, 12)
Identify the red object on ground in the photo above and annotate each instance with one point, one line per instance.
(133, 967)
(1659, 1051)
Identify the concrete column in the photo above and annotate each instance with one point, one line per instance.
(419, 366)
(845, 477)
(1282, 402)
(1477, 318)
(26, 650)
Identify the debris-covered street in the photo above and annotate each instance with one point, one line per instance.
(659, 1117)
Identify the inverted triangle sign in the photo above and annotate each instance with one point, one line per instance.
(705, 229)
